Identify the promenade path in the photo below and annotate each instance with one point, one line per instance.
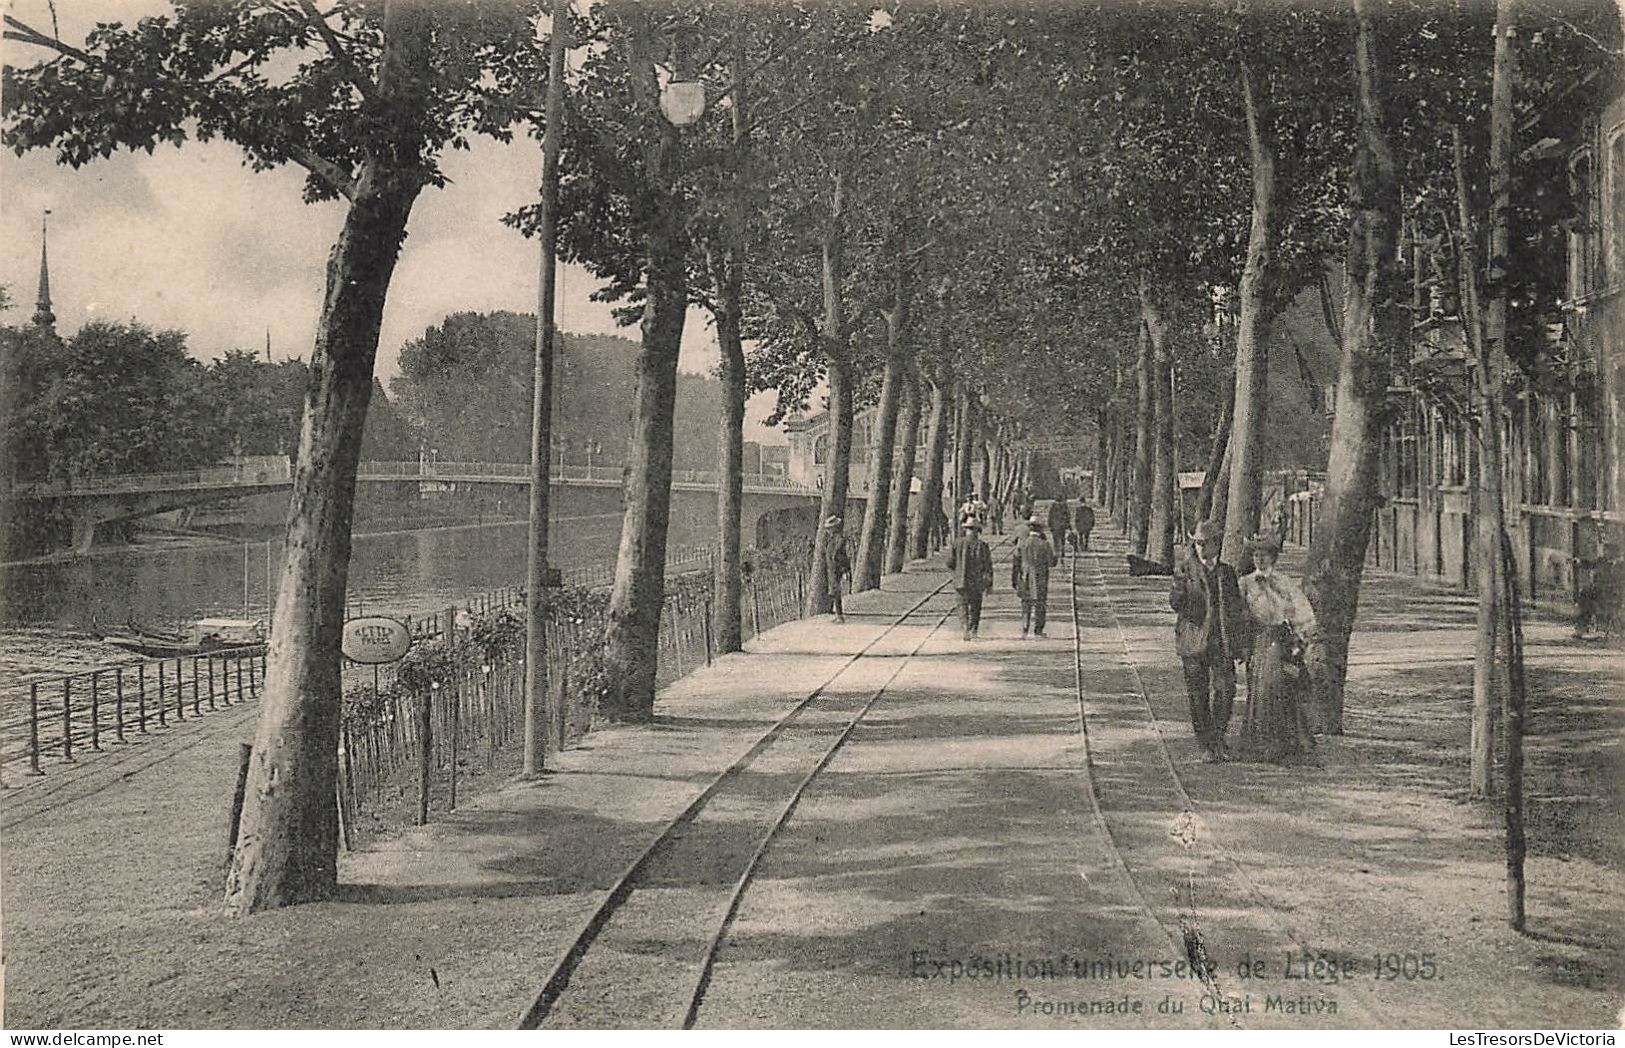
(988, 833)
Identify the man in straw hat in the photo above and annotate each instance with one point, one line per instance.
(971, 563)
(1211, 633)
(1029, 576)
(837, 565)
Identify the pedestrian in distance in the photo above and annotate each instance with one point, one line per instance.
(995, 510)
(837, 565)
(1029, 577)
(971, 564)
(1600, 593)
(1211, 634)
(1083, 522)
(1060, 525)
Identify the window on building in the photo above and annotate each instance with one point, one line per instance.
(1438, 452)
(1615, 231)
(1405, 465)
(1539, 487)
(820, 450)
(1588, 445)
(1457, 440)
(1583, 232)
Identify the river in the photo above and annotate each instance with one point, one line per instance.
(47, 607)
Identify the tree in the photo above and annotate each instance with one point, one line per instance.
(364, 97)
(1370, 324)
(121, 398)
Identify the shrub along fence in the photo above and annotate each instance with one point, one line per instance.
(456, 701)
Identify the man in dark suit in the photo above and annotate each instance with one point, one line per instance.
(1083, 522)
(971, 563)
(1029, 576)
(1060, 525)
(1210, 635)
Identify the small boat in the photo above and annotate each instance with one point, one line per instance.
(201, 637)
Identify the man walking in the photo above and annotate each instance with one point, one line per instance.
(1083, 522)
(1029, 577)
(1060, 523)
(1210, 635)
(837, 565)
(971, 563)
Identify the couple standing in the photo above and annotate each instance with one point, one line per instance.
(1264, 618)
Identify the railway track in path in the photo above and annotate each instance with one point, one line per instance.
(680, 896)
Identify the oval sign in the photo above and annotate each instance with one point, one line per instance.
(375, 640)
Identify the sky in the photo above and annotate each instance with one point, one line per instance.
(190, 238)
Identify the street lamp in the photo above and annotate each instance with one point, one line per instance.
(682, 101)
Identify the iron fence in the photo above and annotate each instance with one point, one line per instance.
(397, 740)
(56, 721)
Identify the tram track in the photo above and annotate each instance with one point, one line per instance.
(795, 748)
(1199, 842)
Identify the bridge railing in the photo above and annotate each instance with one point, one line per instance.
(259, 472)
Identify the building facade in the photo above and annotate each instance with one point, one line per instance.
(1563, 421)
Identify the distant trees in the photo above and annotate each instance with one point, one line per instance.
(121, 398)
(465, 386)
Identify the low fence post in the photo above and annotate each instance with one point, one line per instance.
(95, 717)
(33, 730)
(211, 683)
(180, 693)
(197, 700)
(141, 695)
(706, 627)
(676, 637)
(118, 703)
(67, 718)
(425, 753)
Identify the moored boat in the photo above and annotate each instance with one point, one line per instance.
(201, 637)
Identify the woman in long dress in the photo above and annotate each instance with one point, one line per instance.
(1276, 727)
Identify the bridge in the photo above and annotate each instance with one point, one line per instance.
(104, 499)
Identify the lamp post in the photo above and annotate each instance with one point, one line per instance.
(537, 715)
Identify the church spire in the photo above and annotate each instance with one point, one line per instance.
(43, 317)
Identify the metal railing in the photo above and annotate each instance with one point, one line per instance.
(59, 719)
(250, 475)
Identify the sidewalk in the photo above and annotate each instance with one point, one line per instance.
(955, 822)
(110, 899)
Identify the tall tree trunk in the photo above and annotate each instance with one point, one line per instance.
(1495, 341)
(872, 545)
(1160, 540)
(1102, 458)
(1337, 556)
(731, 459)
(984, 461)
(966, 440)
(908, 438)
(1217, 457)
(287, 842)
(632, 637)
(538, 718)
(1145, 380)
(931, 480)
(1221, 489)
(838, 468)
(1252, 331)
